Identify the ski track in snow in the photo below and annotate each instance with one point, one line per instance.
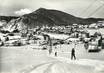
(47, 67)
(55, 66)
(98, 65)
(31, 69)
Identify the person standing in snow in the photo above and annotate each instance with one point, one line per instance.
(73, 54)
(55, 51)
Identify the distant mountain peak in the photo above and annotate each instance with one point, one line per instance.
(40, 10)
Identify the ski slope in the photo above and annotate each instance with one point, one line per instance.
(27, 60)
(64, 65)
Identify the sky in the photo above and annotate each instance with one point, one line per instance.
(79, 8)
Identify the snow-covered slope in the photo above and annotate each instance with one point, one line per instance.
(26, 60)
(64, 65)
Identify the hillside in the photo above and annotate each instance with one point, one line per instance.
(48, 17)
(54, 17)
(7, 18)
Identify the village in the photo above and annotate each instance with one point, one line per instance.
(23, 51)
(45, 37)
(52, 36)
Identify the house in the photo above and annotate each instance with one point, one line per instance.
(94, 26)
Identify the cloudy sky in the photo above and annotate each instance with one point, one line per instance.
(80, 8)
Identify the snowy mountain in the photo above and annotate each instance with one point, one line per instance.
(48, 17)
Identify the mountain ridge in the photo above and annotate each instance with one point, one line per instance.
(7, 18)
(60, 18)
(48, 17)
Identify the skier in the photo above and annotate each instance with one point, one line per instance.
(55, 51)
(73, 54)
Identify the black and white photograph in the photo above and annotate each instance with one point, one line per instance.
(51, 36)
